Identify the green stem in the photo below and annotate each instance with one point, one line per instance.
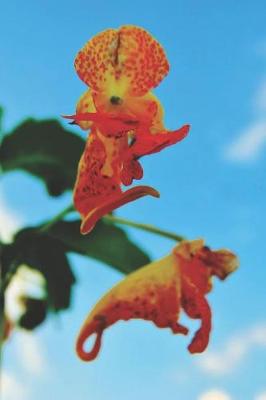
(117, 220)
(14, 265)
(145, 227)
(109, 218)
(57, 218)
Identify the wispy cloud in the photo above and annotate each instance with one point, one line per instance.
(235, 350)
(26, 282)
(261, 396)
(9, 220)
(32, 356)
(250, 143)
(11, 389)
(214, 394)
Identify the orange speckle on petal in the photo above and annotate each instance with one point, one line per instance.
(129, 52)
(143, 59)
(97, 57)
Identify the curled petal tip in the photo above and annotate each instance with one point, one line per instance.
(187, 128)
(111, 204)
(223, 262)
(73, 122)
(183, 132)
(90, 330)
(194, 349)
(148, 190)
(82, 117)
(68, 116)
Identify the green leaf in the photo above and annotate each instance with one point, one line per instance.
(35, 313)
(106, 243)
(47, 255)
(1, 119)
(46, 251)
(6, 257)
(44, 149)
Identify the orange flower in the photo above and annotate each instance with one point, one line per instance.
(159, 291)
(125, 118)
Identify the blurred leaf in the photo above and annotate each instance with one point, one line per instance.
(44, 149)
(46, 251)
(7, 258)
(1, 118)
(48, 256)
(106, 243)
(35, 314)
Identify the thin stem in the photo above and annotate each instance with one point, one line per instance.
(57, 218)
(110, 218)
(144, 227)
(117, 220)
(14, 265)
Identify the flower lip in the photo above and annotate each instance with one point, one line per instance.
(111, 204)
(116, 100)
(108, 123)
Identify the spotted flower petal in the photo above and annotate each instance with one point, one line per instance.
(128, 59)
(112, 203)
(159, 291)
(97, 190)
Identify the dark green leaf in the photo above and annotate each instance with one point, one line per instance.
(7, 259)
(44, 149)
(106, 243)
(46, 251)
(35, 314)
(47, 255)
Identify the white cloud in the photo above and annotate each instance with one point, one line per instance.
(31, 353)
(249, 144)
(235, 350)
(9, 220)
(30, 357)
(25, 282)
(215, 394)
(261, 396)
(11, 389)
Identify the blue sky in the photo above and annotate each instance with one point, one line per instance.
(212, 185)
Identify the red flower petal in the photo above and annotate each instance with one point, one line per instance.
(197, 307)
(156, 293)
(111, 203)
(147, 143)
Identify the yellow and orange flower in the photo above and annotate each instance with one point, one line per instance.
(159, 291)
(125, 119)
